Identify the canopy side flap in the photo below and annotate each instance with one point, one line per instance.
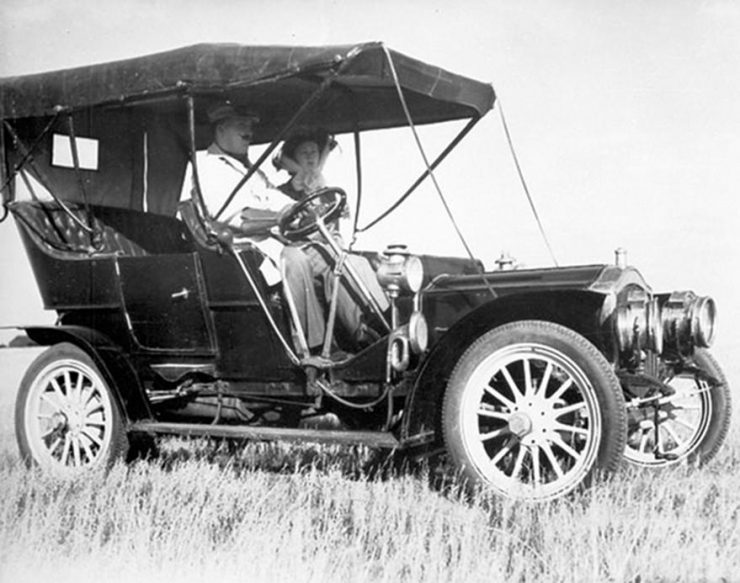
(110, 158)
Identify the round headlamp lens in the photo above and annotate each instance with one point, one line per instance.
(689, 321)
(625, 328)
(414, 273)
(418, 332)
(654, 326)
(703, 313)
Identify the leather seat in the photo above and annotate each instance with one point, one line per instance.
(54, 229)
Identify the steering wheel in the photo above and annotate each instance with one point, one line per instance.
(300, 221)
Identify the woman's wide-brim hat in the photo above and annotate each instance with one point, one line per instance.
(319, 136)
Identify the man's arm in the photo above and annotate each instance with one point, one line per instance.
(260, 221)
(257, 221)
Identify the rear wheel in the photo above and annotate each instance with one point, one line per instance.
(692, 422)
(67, 418)
(533, 411)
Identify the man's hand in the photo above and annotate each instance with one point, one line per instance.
(284, 212)
(304, 216)
(257, 221)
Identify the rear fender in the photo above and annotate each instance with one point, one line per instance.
(575, 309)
(110, 360)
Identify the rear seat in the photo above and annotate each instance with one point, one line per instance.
(52, 228)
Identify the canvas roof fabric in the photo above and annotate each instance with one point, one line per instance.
(271, 80)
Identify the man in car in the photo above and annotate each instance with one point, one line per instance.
(254, 211)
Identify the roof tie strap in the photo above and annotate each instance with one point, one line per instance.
(524, 184)
(430, 172)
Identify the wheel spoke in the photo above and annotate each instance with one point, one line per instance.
(94, 438)
(58, 390)
(493, 414)
(503, 451)
(86, 393)
(566, 448)
(569, 409)
(80, 387)
(644, 440)
(571, 429)
(536, 469)
(519, 461)
(66, 450)
(687, 407)
(52, 448)
(547, 448)
(679, 421)
(528, 388)
(499, 397)
(92, 403)
(84, 439)
(561, 389)
(72, 395)
(76, 452)
(512, 385)
(96, 419)
(51, 398)
(677, 439)
(49, 431)
(545, 379)
(493, 434)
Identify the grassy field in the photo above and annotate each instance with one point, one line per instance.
(279, 513)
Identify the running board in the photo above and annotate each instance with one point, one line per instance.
(369, 438)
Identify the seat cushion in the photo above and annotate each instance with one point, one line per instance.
(73, 232)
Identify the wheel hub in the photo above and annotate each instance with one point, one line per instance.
(520, 424)
(76, 421)
(58, 421)
(531, 421)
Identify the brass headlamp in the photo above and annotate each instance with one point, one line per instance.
(400, 272)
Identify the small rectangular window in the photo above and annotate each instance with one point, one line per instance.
(87, 152)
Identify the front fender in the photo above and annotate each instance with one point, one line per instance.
(110, 360)
(579, 310)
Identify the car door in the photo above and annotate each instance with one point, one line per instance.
(163, 297)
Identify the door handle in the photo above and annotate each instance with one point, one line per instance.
(181, 295)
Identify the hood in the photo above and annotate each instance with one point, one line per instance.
(605, 279)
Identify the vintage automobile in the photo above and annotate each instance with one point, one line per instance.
(530, 381)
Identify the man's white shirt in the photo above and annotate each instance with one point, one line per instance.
(218, 174)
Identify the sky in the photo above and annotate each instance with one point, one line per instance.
(624, 115)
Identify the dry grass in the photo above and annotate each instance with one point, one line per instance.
(261, 515)
(276, 513)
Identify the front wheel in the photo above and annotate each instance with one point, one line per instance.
(532, 411)
(692, 422)
(67, 418)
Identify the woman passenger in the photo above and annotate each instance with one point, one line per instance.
(303, 156)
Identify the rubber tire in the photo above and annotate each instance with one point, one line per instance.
(607, 389)
(118, 444)
(719, 420)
